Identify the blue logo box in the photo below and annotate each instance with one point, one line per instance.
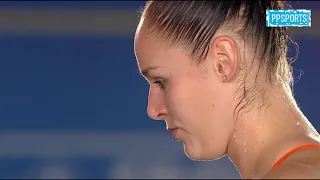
(288, 18)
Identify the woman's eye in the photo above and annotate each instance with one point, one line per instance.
(160, 84)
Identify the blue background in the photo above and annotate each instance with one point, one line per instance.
(91, 83)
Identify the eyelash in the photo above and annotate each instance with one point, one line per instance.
(160, 84)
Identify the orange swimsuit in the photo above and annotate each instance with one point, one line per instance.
(308, 146)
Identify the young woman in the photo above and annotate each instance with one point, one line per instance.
(222, 82)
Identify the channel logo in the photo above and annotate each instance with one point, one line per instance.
(288, 18)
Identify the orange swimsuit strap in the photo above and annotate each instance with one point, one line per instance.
(308, 146)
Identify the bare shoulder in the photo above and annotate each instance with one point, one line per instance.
(301, 165)
(294, 171)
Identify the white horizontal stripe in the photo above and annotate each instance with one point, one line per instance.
(92, 22)
(84, 143)
(144, 154)
(69, 22)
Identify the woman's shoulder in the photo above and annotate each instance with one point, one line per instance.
(294, 171)
(301, 165)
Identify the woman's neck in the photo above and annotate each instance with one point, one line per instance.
(265, 133)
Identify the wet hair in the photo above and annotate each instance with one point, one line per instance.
(192, 24)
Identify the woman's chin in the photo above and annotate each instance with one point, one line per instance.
(192, 152)
(197, 153)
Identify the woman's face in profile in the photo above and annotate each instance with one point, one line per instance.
(188, 96)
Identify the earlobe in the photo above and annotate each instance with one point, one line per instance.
(224, 78)
(225, 57)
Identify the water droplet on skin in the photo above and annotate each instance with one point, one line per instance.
(260, 127)
(245, 150)
(298, 123)
(304, 160)
(245, 131)
(234, 136)
(255, 147)
(244, 143)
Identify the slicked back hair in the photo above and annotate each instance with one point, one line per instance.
(192, 24)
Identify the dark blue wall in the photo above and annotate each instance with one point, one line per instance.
(93, 83)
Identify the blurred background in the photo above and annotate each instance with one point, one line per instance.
(72, 102)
